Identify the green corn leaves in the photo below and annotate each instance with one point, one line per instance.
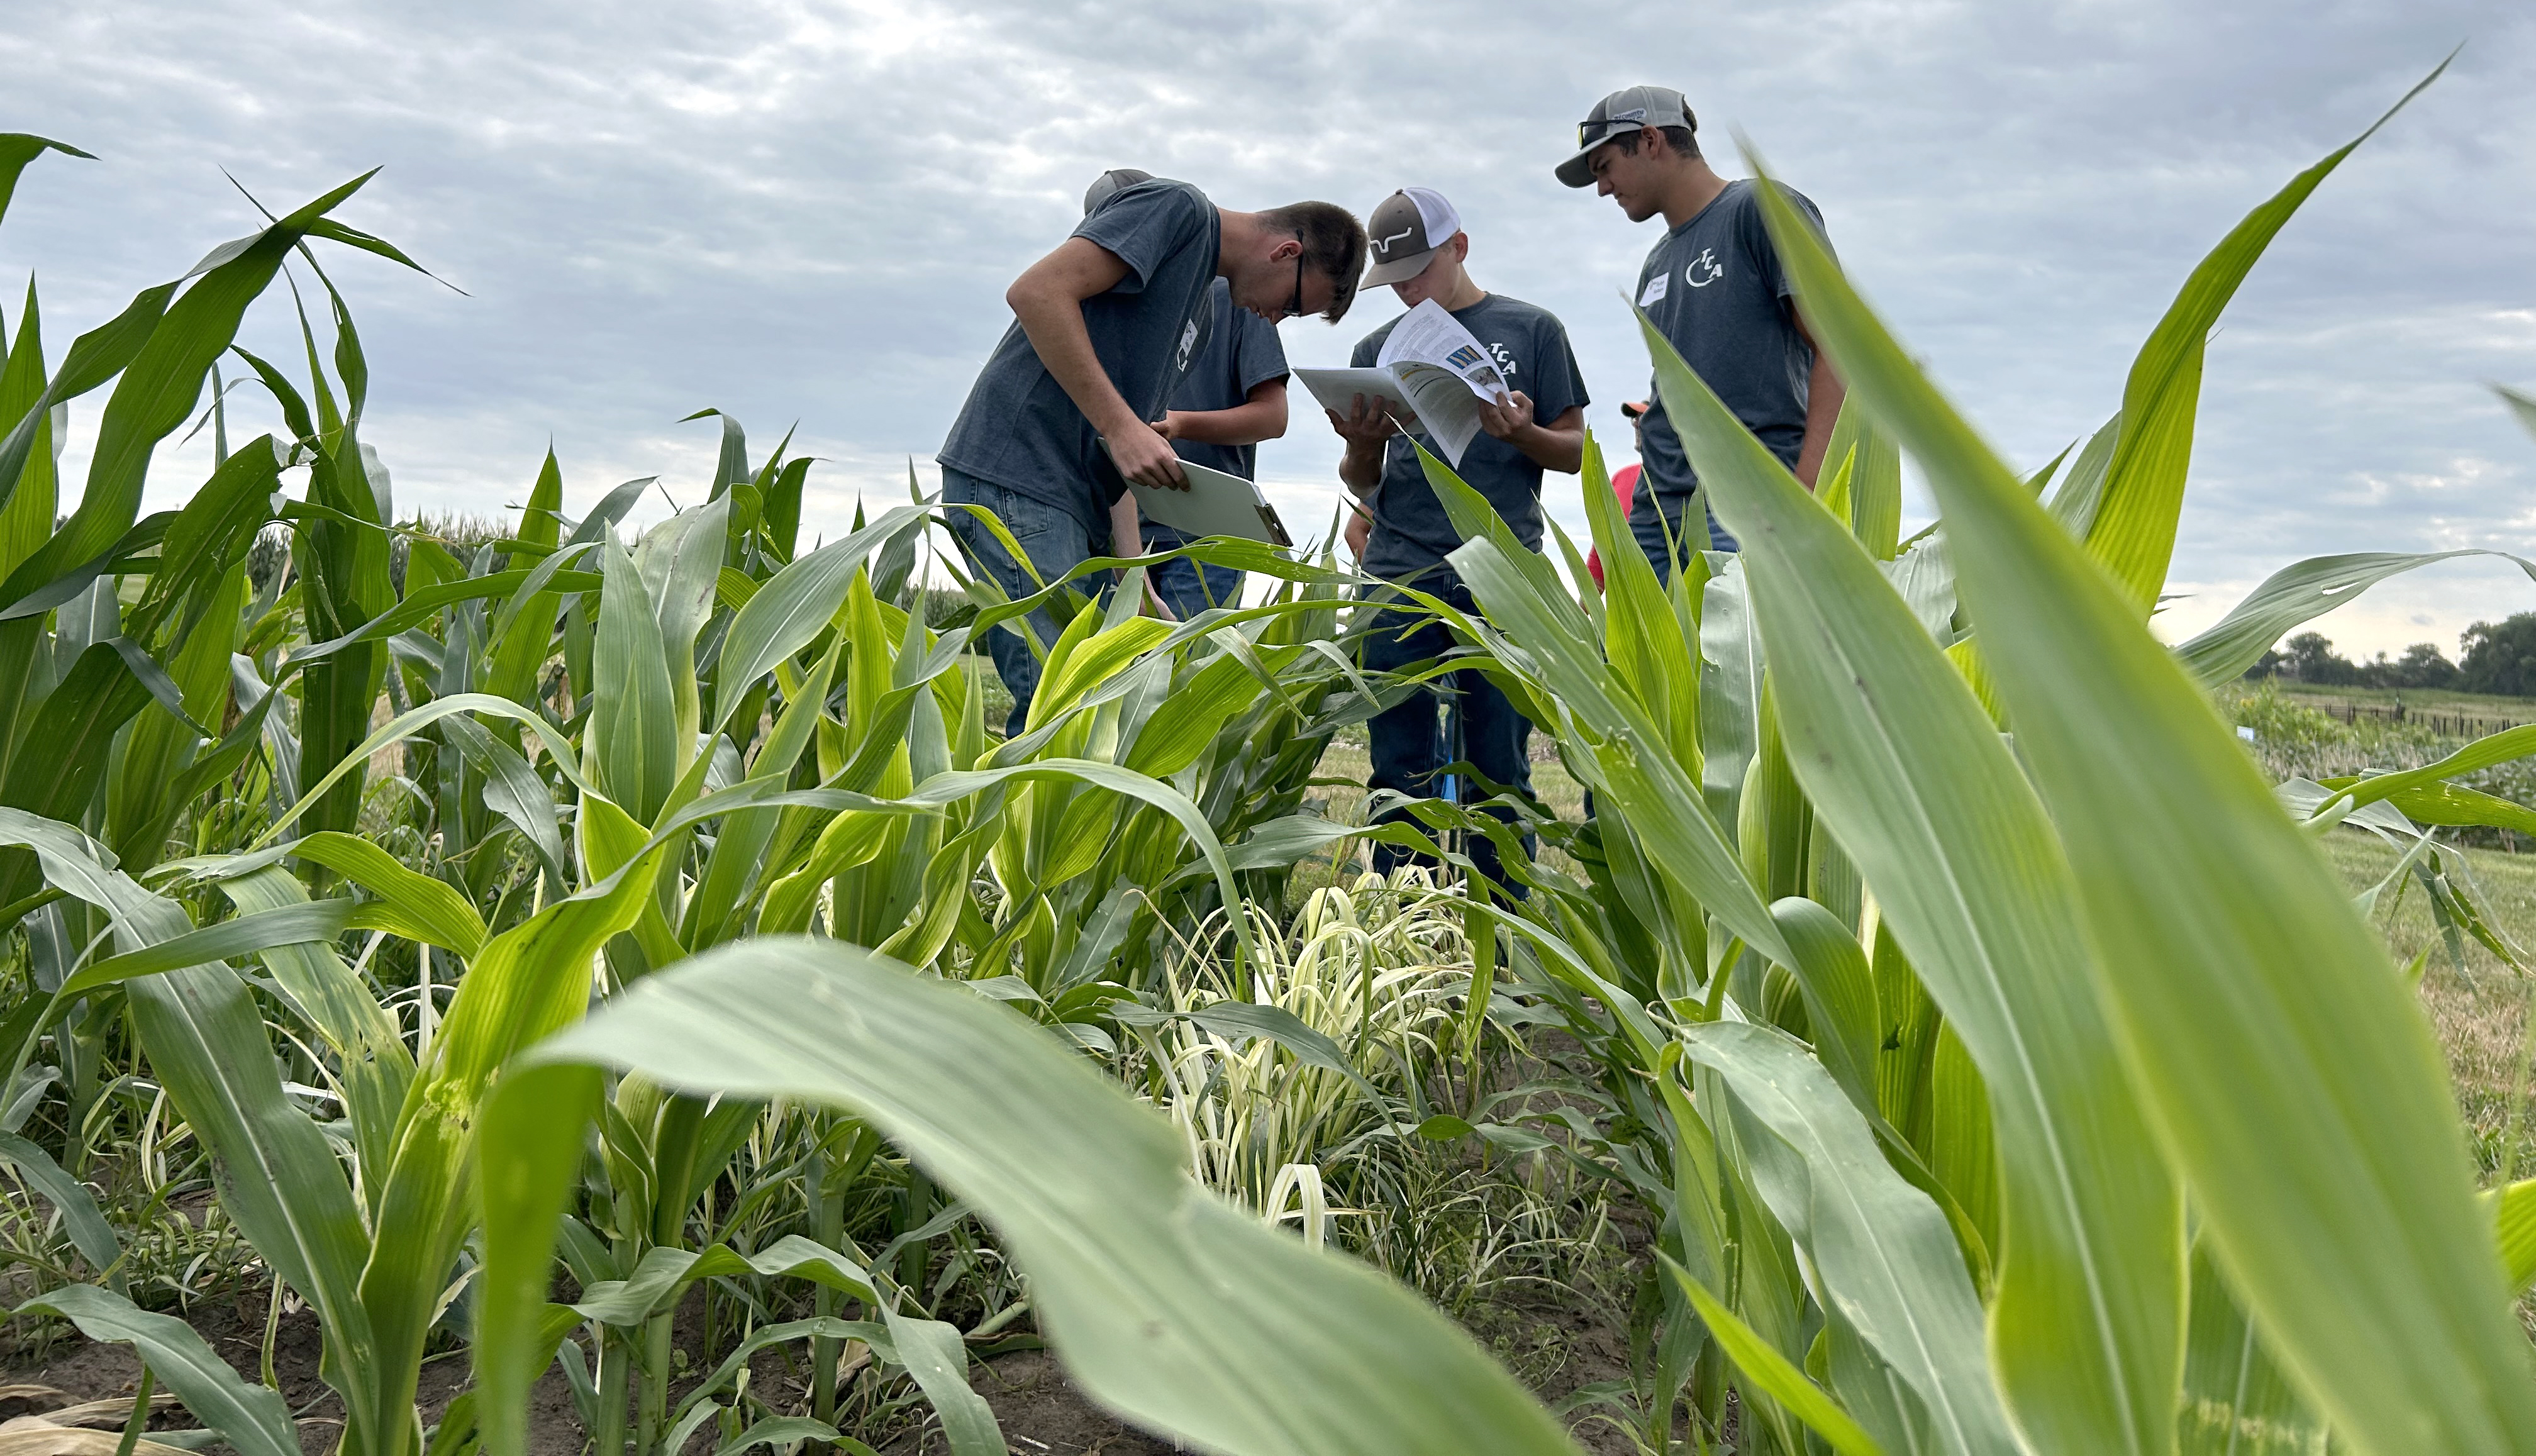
(2294, 594)
(1166, 1305)
(1897, 755)
(250, 1418)
(635, 754)
(1766, 1367)
(2001, 1069)
(794, 606)
(1887, 1259)
(2246, 993)
(2132, 532)
(17, 148)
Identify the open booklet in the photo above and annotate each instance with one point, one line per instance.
(1431, 375)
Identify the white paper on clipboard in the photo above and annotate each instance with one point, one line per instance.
(1217, 503)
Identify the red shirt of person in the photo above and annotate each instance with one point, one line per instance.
(1624, 484)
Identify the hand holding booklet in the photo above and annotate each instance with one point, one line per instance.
(1431, 375)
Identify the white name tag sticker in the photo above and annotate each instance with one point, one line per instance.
(1655, 288)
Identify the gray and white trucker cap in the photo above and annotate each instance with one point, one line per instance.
(1110, 184)
(1619, 114)
(1405, 231)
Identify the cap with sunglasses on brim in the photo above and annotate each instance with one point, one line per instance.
(1619, 114)
(1110, 184)
(1631, 409)
(1403, 233)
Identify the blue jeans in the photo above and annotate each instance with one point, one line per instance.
(1650, 529)
(1410, 745)
(1188, 587)
(1053, 539)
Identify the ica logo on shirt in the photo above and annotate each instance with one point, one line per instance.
(1704, 269)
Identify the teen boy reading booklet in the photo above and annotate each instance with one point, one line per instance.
(1534, 421)
(1430, 373)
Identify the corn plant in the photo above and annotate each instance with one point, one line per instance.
(1171, 1306)
(2048, 992)
(2000, 1064)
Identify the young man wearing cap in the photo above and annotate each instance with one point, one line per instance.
(1103, 328)
(1714, 287)
(1231, 396)
(1417, 247)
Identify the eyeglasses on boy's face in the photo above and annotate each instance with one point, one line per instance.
(1294, 310)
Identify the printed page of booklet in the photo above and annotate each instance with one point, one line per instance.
(1431, 370)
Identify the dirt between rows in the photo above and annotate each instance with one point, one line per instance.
(1041, 1411)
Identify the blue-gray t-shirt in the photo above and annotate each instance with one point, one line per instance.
(1240, 352)
(1411, 532)
(1714, 287)
(1020, 430)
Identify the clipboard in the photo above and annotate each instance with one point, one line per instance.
(1217, 503)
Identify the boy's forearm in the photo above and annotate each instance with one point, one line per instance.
(1824, 393)
(1361, 469)
(1246, 424)
(1126, 527)
(1552, 449)
(1054, 323)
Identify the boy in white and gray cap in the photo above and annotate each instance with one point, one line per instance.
(1714, 287)
(1416, 245)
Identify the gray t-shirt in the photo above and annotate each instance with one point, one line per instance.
(1240, 352)
(1714, 287)
(1019, 429)
(1411, 532)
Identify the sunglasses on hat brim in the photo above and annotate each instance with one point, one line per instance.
(1600, 129)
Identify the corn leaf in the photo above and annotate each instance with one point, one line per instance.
(1773, 1374)
(2246, 993)
(2132, 533)
(1884, 1251)
(251, 1418)
(82, 1219)
(2294, 594)
(1897, 754)
(1167, 1305)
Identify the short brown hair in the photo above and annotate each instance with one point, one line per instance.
(1683, 140)
(1333, 243)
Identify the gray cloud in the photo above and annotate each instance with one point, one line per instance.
(808, 212)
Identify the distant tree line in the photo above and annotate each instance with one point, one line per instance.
(2498, 657)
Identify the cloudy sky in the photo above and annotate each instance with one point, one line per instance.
(806, 214)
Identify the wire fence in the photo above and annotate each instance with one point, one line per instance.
(2446, 724)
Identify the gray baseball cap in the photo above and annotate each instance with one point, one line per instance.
(1110, 184)
(1619, 114)
(1404, 233)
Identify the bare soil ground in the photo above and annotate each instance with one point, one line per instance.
(86, 1370)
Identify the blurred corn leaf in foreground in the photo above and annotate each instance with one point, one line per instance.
(1166, 1304)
